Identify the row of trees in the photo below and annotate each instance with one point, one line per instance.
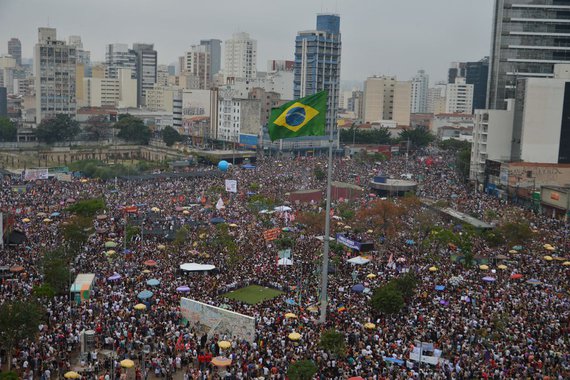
(418, 137)
(64, 128)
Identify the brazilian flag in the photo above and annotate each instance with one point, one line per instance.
(301, 117)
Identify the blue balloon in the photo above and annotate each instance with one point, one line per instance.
(223, 165)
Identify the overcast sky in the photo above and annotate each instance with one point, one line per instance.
(395, 37)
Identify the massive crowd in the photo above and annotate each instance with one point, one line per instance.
(506, 329)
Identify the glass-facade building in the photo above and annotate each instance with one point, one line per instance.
(529, 38)
(317, 63)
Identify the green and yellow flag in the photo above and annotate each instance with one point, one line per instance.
(301, 117)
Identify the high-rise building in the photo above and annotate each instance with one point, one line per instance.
(401, 108)
(54, 67)
(317, 63)
(459, 97)
(146, 66)
(215, 48)
(378, 98)
(436, 98)
(119, 56)
(83, 56)
(162, 75)
(198, 64)
(240, 56)
(15, 50)
(420, 86)
(528, 39)
(7, 72)
(475, 73)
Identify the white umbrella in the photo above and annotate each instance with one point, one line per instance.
(359, 260)
(283, 208)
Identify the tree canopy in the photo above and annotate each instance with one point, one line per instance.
(8, 130)
(359, 136)
(60, 128)
(133, 129)
(170, 136)
(97, 126)
(302, 370)
(418, 137)
(19, 321)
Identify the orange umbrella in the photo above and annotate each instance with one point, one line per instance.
(16, 269)
(221, 361)
(150, 263)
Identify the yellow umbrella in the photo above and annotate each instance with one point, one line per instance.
(224, 344)
(547, 258)
(47, 220)
(512, 251)
(369, 231)
(547, 245)
(558, 258)
(140, 306)
(371, 275)
(313, 309)
(72, 375)
(220, 361)
(483, 267)
(566, 263)
(161, 246)
(195, 244)
(83, 180)
(551, 248)
(26, 220)
(291, 315)
(347, 227)
(294, 336)
(111, 252)
(502, 266)
(127, 363)
(432, 269)
(232, 225)
(202, 236)
(146, 271)
(186, 212)
(155, 209)
(369, 326)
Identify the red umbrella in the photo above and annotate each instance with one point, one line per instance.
(356, 378)
(150, 263)
(516, 276)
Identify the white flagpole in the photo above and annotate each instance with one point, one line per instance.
(325, 268)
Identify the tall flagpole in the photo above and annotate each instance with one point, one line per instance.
(325, 269)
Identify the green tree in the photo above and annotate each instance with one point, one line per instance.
(333, 342)
(170, 136)
(11, 375)
(387, 299)
(302, 370)
(319, 173)
(75, 233)
(8, 130)
(454, 145)
(181, 235)
(406, 285)
(97, 126)
(463, 162)
(515, 233)
(60, 128)
(133, 129)
(87, 207)
(418, 137)
(19, 322)
(56, 270)
(44, 291)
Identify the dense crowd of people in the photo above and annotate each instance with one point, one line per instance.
(500, 329)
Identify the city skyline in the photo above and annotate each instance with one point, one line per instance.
(369, 44)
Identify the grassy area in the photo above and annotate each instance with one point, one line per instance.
(253, 294)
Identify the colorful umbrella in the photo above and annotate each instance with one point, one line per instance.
(114, 277)
(16, 269)
(294, 336)
(291, 316)
(566, 263)
(150, 263)
(183, 289)
(161, 247)
(26, 220)
(369, 325)
(110, 244)
(502, 267)
(484, 267)
(220, 361)
(548, 258)
(358, 288)
(127, 363)
(433, 269)
(72, 375)
(145, 294)
(516, 276)
(489, 279)
(224, 344)
(371, 275)
(440, 287)
(153, 282)
(140, 306)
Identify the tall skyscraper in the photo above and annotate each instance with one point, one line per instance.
(198, 64)
(317, 63)
(378, 98)
(54, 68)
(459, 97)
(15, 50)
(475, 73)
(215, 49)
(240, 56)
(119, 56)
(146, 66)
(420, 86)
(528, 39)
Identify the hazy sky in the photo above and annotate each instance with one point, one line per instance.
(395, 37)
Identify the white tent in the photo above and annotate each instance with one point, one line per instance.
(359, 260)
(283, 208)
(194, 267)
(266, 212)
(285, 261)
